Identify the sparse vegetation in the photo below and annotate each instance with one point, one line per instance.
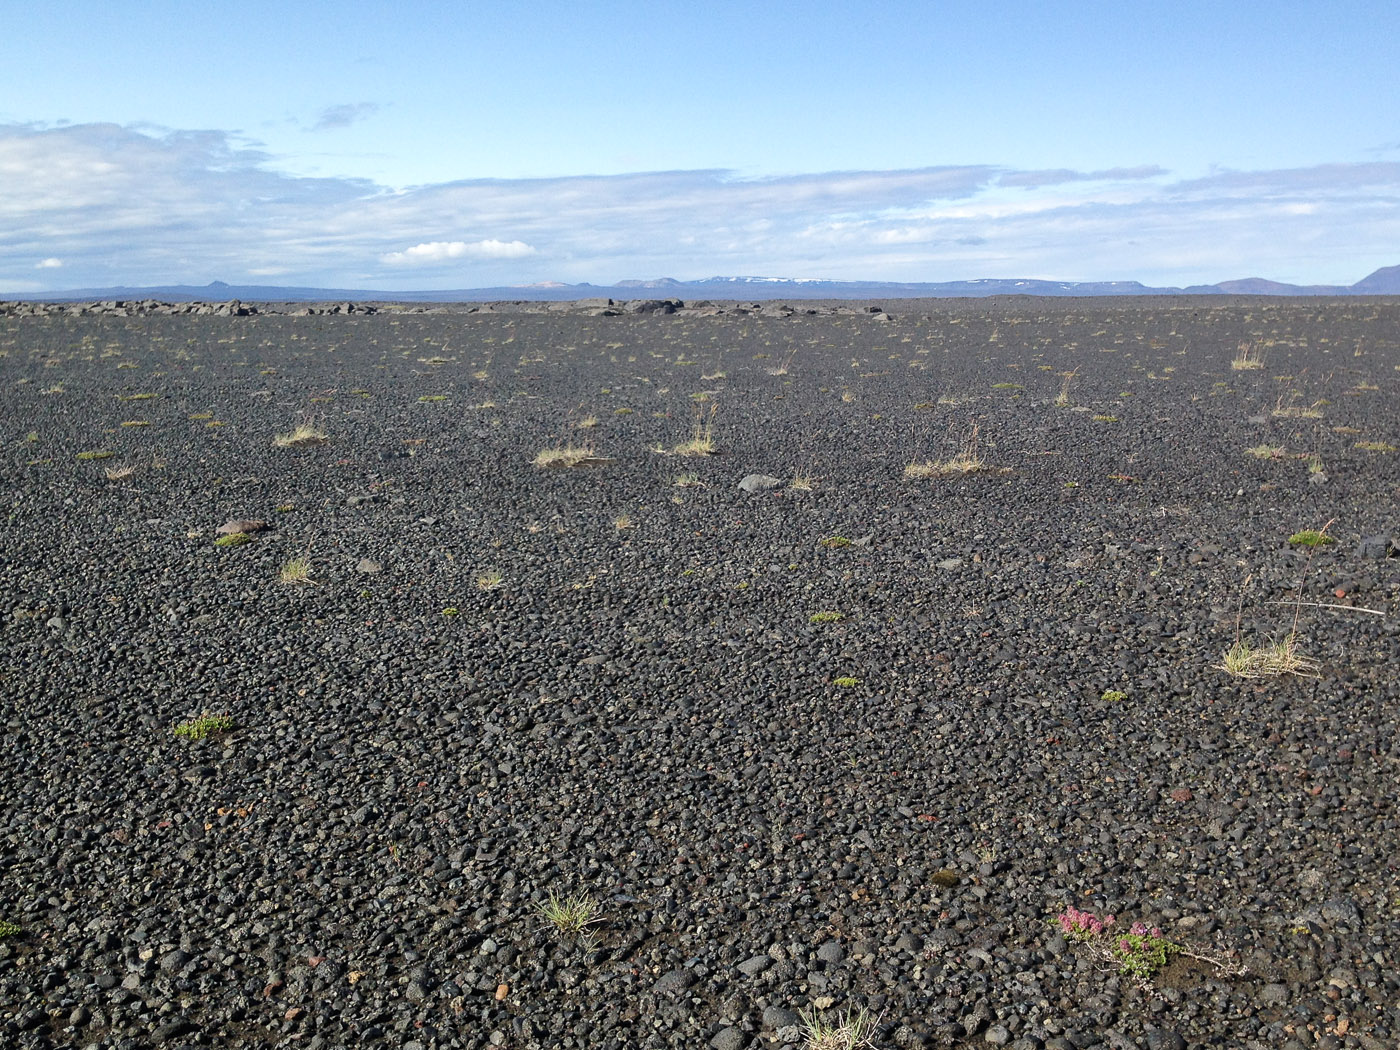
(119, 473)
(1247, 358)
(202, 726)
(1279, 657)
(233, 539)
(1310, 538)
(855, 1030)
(846, 682)
(827, 616)
(489, 580)
(1062, 398)
(832, 543)
(98, 454)
(296, 571)
(968, 461)
(1374, 446)
(303, 436)
(1113, 696)
(9, 929)
(569, 915)
(687, 481)
(702, 435)
(1265, 451)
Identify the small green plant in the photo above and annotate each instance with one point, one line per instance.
(855, 1030)
(284, 508)
(9, 929)
(1375, 446)
(570, 915)
(203, 725)
(846, 682)
(1114, 696)
(1105, 419)
(1007, 386)
(489, 580)
(451, 611)
(687, 481)
(98, 454)
(827, 616)
(1265, 451)
(833, 543)
(1139, 953)
(296, 571)
(1310, 538)
(233, 539)
(432, 397)
(137, 397)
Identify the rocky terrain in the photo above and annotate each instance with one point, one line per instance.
(837, 746)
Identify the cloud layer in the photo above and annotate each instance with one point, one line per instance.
(134, 205)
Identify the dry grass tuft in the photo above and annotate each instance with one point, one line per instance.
(1248, 358)
(304, 436)
(702, 435)
(854, 1031)
(296, 571)
(1280, 657)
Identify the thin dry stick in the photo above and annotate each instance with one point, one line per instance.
(1329, 605)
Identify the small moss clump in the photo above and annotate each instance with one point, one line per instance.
(833, 543)
(847, 682)
(450, 611)
(203, 726)
(1310, 538)
(1114, 696)
(233, 539)
(828, 616)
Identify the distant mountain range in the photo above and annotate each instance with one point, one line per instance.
(1385, 281)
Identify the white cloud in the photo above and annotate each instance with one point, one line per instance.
(48, 264)
(441, 251)
(140, 206)
(342, 116)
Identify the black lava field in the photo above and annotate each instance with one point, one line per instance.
(423, 677)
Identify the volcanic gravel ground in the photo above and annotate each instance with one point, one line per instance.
(775, 815)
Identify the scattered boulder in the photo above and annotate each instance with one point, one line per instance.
(1377, 547)
(244, 525)
(758, 483)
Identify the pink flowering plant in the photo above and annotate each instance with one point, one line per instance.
(1140, 952)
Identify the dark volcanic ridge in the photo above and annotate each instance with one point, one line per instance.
(330, 719)
(1385, 281)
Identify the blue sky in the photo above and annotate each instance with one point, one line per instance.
(449, 145)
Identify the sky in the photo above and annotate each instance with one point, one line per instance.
(425, 145)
